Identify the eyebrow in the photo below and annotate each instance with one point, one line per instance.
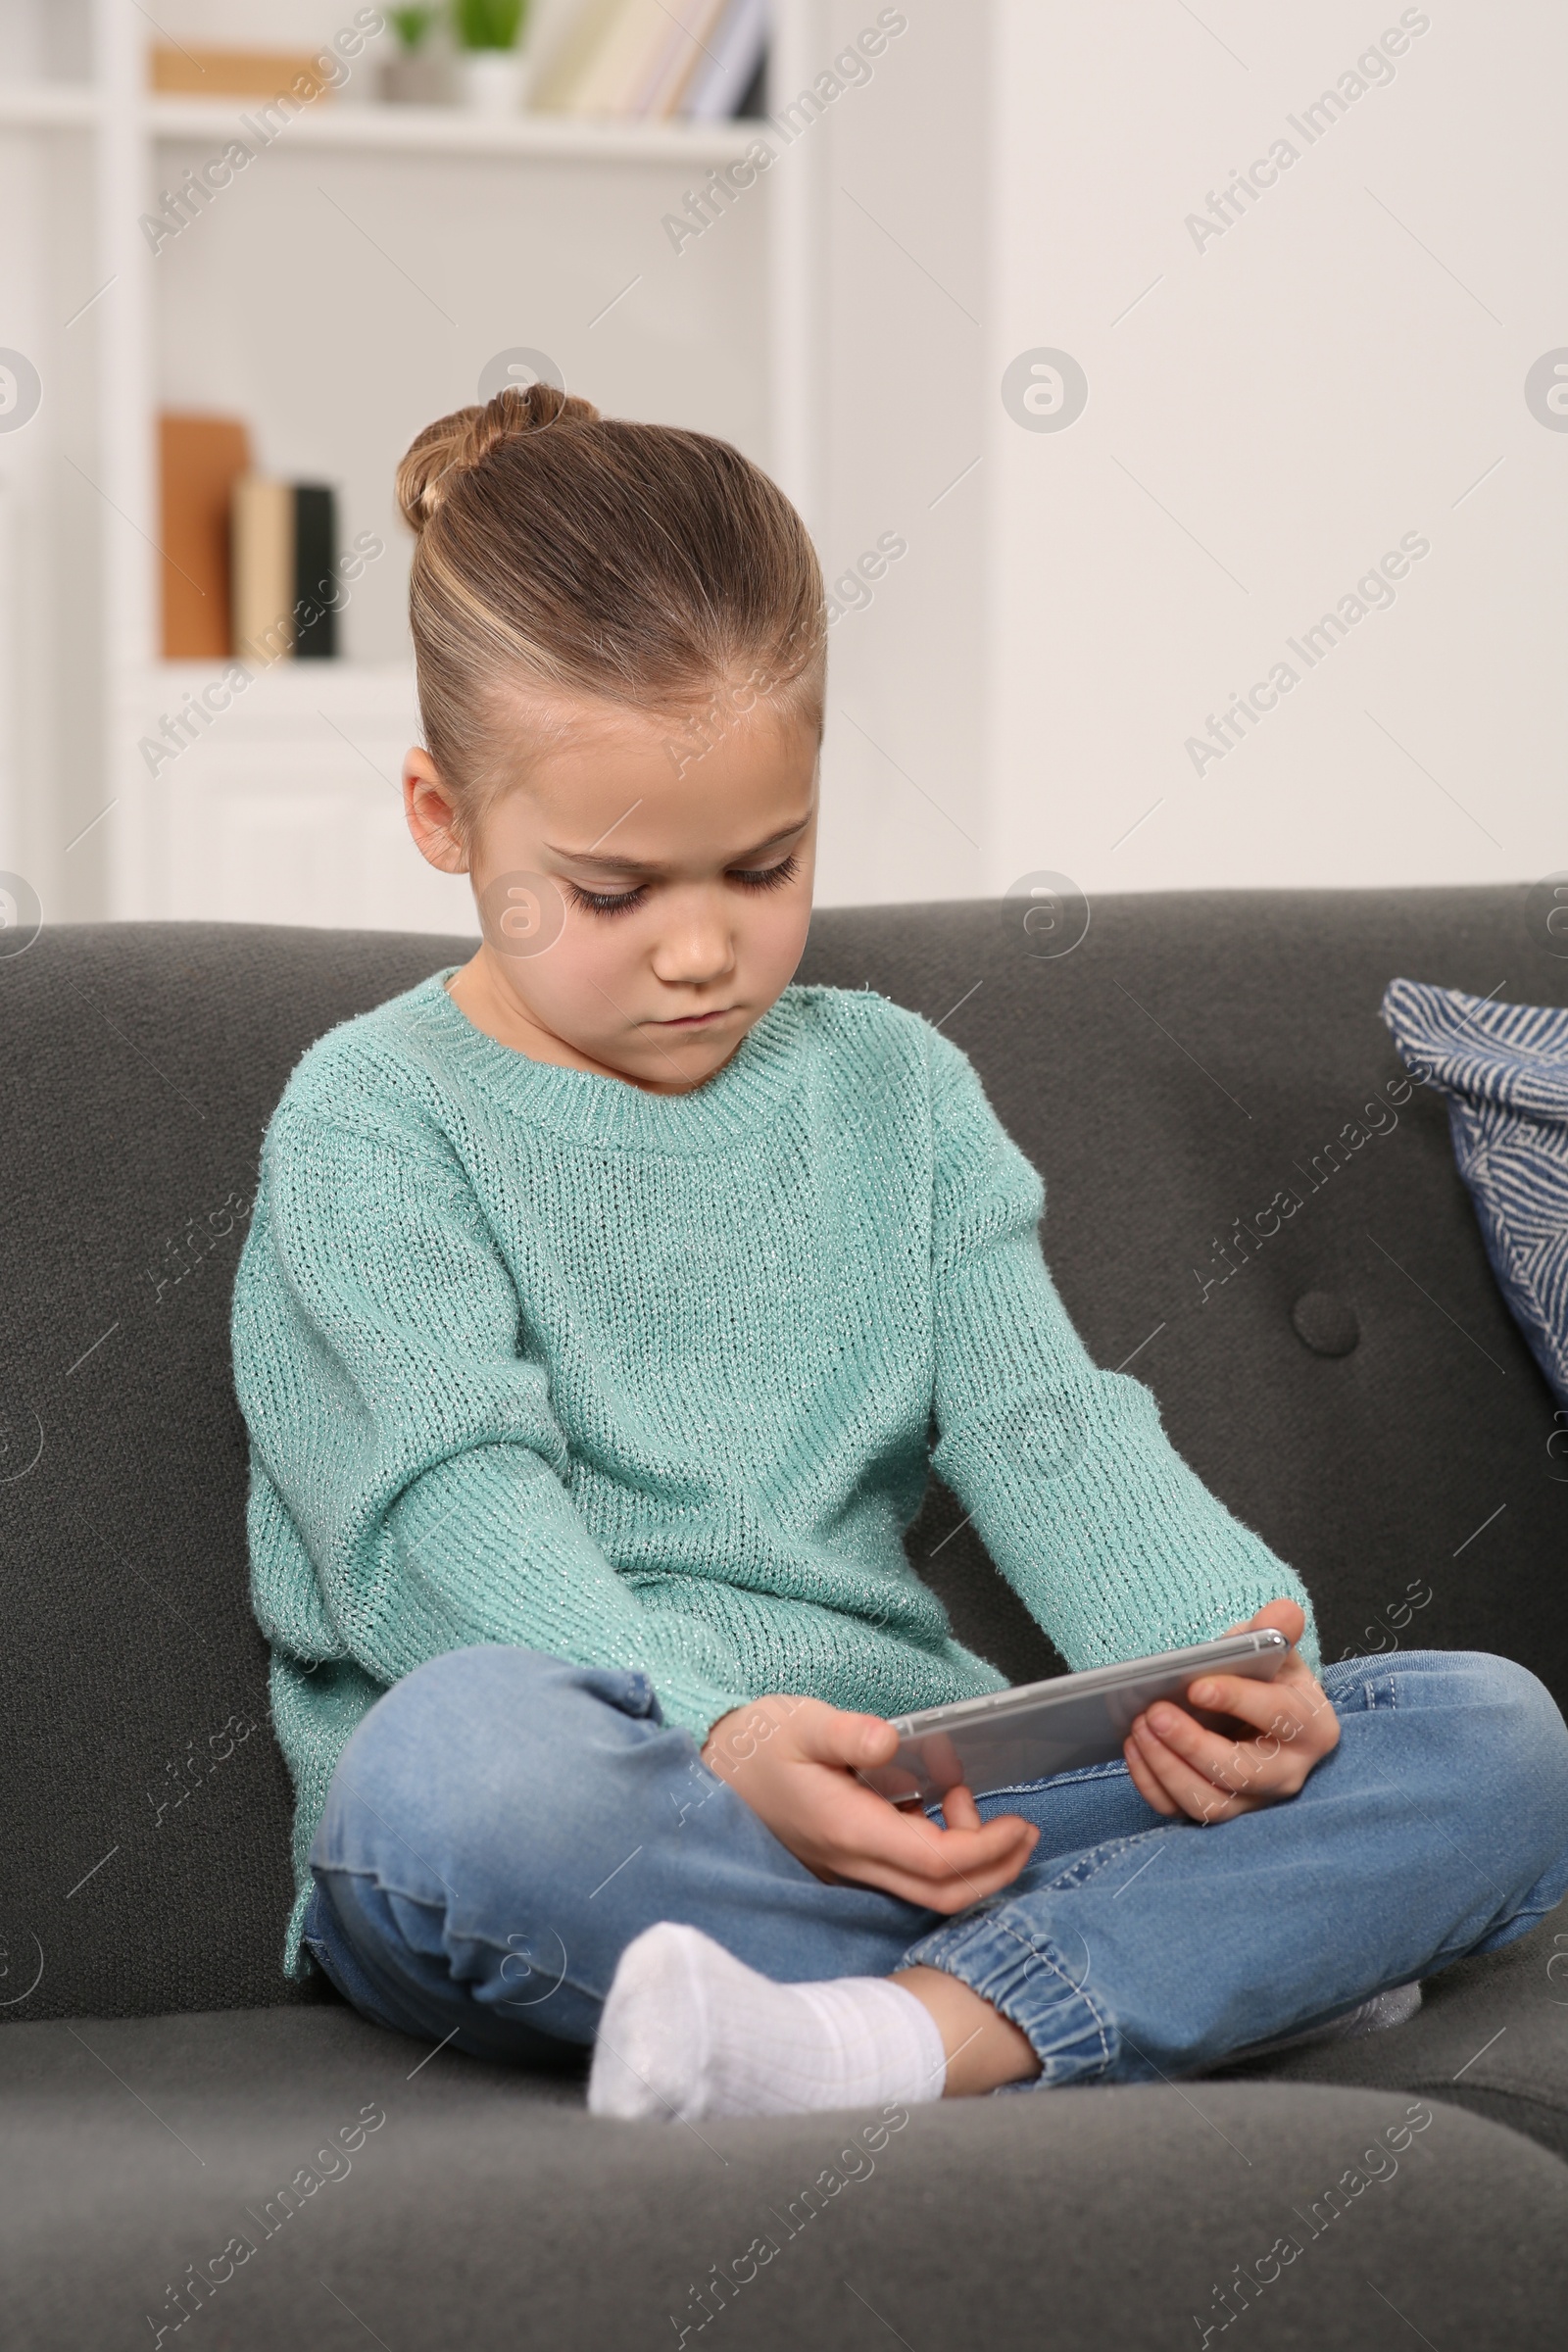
(643, 865)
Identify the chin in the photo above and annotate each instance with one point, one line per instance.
(685, 1067)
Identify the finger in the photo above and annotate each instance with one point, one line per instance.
(964, 1893)
(955, 1868)
(956, 1892)
(825, 1735)
(1265, 1706)
(1281, 1616)
(1193, 1791)
(869, 1827)
(959, 1810)
(1284, 1747)
(1144, 1780)
(1296, 1720)
(927, 1863)
(965, 1887)
(941, 1854)
(1219, 1755)
(1169, 1773)
(1257, 1770)
(1287, 1616)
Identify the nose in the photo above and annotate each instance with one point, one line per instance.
(696, 945)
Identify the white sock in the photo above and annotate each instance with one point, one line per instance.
(688, 2031)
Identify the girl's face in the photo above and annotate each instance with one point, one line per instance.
(643, 899)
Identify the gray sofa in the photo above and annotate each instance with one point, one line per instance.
(1352, 1387)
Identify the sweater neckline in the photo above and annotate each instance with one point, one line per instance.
(746, 1093)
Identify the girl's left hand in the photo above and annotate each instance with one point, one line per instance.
(1186, 1763)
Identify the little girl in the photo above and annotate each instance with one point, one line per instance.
(607, 1303)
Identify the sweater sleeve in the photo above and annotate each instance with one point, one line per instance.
(403, 1448)
(1112, 1543)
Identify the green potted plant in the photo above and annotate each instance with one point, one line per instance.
(492, 69)
(415, 76)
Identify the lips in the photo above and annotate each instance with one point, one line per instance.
(696, 1020)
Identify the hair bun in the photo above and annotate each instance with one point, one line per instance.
(457, 445)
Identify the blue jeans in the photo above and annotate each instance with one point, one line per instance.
(503, 1824)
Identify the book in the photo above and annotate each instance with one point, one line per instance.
(569, 54)
(622, 59)
(687, 50)
(234, 73)
(262, 534)
(284, 570)
(316, 583)
(725, 79)
(199, 461)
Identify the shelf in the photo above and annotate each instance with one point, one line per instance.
(49, 105)
(295, 726)
(290, 696)
(451, 130)
(299, 681)
(390, 129)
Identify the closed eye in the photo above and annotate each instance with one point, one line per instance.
(621, 901)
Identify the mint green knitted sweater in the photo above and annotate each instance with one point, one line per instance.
(533, 1357)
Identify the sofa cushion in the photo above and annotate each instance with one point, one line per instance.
(1194, 1056)
(469, 2204)
(1504, 1070)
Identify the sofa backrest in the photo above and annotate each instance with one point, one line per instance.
(1194, 1058)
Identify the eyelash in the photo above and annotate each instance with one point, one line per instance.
(593, 902)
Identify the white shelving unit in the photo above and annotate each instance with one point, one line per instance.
(349, 286)
(449, 130)
(46, 107)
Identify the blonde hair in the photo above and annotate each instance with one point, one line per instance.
(582, 556)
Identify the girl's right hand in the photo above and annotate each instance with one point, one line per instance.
(795, 1761)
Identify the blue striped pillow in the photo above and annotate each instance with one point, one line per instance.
(1504, 1070)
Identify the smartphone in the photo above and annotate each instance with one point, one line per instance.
(1037, 1728)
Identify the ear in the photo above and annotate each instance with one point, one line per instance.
(431, 814)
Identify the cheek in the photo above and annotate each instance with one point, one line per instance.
(773, 939)
(574, 985)
(583, 967)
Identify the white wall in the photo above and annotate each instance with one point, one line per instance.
(904, 394)
(1342, 366)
